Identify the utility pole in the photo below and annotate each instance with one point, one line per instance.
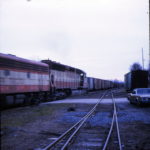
(149, 38)
(149, 44)
(142, 59)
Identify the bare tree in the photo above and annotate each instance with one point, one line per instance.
(135, 66)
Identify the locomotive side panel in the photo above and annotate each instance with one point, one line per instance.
(21, 76)
(19, 81)
(65, 79)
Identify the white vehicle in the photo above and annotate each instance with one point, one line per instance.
(140, 96)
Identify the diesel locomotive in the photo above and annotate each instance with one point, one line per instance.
(24, 81)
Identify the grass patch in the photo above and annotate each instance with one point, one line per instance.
(22, 117)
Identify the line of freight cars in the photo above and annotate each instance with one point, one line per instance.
(25, 81)
(98, 84)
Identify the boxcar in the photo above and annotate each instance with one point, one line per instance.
(90, 82)
(98, 84)
(136, 79)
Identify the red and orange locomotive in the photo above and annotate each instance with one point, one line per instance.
(26, 81)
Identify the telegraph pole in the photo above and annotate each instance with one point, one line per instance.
(149, 38)
(149, 43)
(142, 60)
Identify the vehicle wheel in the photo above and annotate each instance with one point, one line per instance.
(139, 103)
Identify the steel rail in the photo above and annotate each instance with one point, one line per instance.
(116, 120)
(78, 128)
(111, 128)
(109, 134)
(61, 137)
(80, 122)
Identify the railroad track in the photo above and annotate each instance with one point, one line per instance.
(66, 139)
(114, 121)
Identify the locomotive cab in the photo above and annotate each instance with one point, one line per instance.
(81, 79)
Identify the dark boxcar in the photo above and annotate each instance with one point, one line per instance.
(97, 83)
(136, 79)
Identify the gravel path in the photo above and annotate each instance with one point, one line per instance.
(87, 101)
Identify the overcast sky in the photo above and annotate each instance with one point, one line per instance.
(101, 37)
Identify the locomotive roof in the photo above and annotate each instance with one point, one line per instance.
(43, 63)
(61, 67)
(19, 59)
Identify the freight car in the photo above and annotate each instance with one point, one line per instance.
(24, 81)
(90, 82)
(136, 79)
(98, 84)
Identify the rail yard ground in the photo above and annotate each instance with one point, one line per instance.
(33, 127)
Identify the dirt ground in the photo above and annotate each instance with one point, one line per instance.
(32, 128)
